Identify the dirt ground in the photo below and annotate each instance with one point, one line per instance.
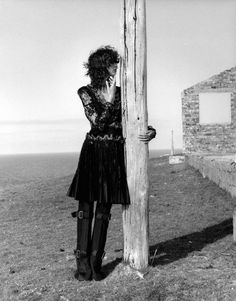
(190, 235)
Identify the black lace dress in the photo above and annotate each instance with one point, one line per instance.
(101, 174)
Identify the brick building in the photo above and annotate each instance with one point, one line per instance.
(209, 115)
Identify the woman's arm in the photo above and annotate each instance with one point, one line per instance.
(96, 118)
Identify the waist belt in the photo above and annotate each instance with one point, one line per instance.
(106, 137)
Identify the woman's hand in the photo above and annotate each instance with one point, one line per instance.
(149, 135)
(110, 90)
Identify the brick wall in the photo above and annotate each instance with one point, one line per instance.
(217, 138)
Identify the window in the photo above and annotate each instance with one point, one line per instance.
(214, 108)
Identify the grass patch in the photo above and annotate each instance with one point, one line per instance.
(191, 249)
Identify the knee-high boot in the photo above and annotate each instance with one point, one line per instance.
(82, 252)
(102, 217)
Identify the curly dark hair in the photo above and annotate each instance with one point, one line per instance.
(98, 62)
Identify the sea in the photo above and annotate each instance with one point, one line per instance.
(23, 168)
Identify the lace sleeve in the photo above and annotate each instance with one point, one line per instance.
(97, 118)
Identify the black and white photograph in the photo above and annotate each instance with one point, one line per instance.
(118, 150)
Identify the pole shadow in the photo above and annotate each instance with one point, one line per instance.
(177, 248)
(110, 266)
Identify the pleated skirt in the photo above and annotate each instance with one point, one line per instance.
(101, 173)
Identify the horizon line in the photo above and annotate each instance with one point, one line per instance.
(75, 152)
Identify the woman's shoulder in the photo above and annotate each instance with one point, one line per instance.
(85, 95)
(83, 89)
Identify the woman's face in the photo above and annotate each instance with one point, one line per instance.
(112, 69)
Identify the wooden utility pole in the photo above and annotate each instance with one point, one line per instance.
(134, 113)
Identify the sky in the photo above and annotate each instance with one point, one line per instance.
(43, 45)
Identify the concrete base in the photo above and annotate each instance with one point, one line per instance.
(220, 169)
(176, 159)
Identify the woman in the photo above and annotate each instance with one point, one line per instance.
(100, 176)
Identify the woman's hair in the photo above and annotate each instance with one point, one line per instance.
(98, 62)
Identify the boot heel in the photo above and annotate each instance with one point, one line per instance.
(84, 271)
(96, 265)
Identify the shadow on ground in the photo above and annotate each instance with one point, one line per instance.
(109, 267)
(177, 248)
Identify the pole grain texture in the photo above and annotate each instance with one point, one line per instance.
(135, 121)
